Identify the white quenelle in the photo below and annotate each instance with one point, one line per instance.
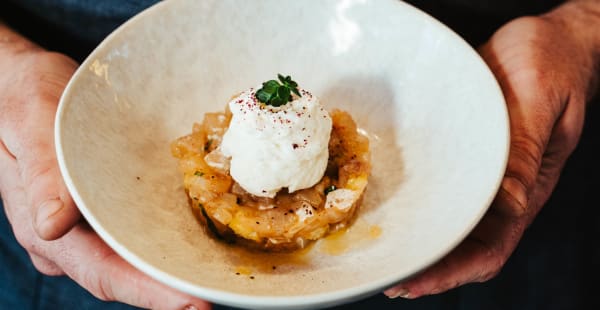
(276, 147)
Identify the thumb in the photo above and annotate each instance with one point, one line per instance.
(53, 211)
(533, 109)
(28, 135)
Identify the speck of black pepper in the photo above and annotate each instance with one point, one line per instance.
(295, 146)
(257, 222)
(252, 277)
(274, 267)
(138, 178)
(237, 273)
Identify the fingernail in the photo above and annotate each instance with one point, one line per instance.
(190, 307)
(46, 210)
(397, 292)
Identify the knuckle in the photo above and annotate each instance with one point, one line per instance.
(25, 238)
(45, 267)
(495, 264)
(445, 286)
(493, 258)
(98, 286)
(30, 243)
(53, 71)
(96, 280)
(496, 267)
(35, 172)
(489, 274)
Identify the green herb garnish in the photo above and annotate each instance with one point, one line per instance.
(198, 173)
(329, 189)
(277, 94)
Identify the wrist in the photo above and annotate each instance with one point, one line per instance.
(581, 18)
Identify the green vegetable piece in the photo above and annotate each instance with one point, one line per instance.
(329, 189)
(270, 86)
(284, 94)
(277, 102)
(276, 93)
(263, 96)
(296, 91)
(198, 173)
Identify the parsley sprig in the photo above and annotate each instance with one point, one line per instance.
(278, 93)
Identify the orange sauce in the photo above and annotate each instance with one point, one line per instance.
(247, 262)
(243, 270)
(355, 236)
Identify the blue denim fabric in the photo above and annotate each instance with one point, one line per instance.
(89, 20)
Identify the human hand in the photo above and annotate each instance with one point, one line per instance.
(546, 67)
(35, 198)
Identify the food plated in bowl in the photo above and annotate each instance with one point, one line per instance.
(432, 111)
(274, 173)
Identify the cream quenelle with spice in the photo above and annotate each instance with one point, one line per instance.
(272, 147)
(275, 170)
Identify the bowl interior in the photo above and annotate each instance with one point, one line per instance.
(433, 111)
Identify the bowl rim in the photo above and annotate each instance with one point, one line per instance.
(329, 298)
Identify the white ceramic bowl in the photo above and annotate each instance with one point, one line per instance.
(434, 112)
